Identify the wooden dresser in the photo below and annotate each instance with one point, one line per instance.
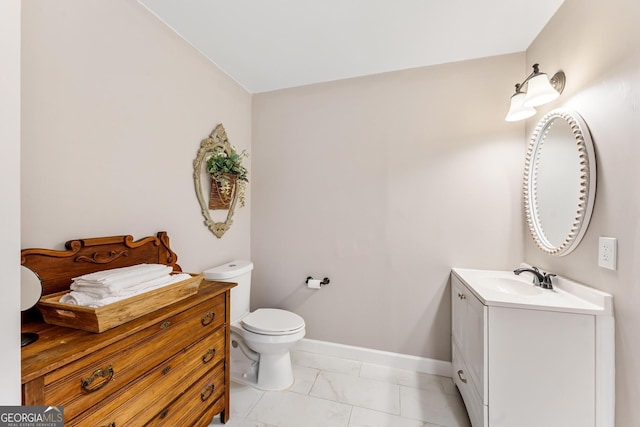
(169, 367)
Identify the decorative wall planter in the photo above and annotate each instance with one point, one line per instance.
(222, 191)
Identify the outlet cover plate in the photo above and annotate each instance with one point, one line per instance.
(607, 252)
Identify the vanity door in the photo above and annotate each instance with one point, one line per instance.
(468, 327)
(476, 355)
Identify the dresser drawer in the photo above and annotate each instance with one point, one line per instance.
(208, 392)
(146, 396)
(84, 383)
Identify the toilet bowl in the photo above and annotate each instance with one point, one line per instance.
(271, 333)
(261, 339)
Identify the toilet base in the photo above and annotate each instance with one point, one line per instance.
(275, 372)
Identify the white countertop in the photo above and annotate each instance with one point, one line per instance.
(566, 296)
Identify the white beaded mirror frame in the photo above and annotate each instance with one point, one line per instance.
(559, 182)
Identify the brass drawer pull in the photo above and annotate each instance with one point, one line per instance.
(207, 392)
(166, 370)
(460, 372)
(165, 325)
(207, 318)
(98, 373)
(209, 355)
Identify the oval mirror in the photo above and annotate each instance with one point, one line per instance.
(30, 288)
(30, 293)
(559, 182)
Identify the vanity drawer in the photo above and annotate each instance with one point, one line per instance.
(86, 382)
(207, 392)
(159, 387)
(478, 412)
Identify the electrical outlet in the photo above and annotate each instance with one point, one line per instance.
(607, 252)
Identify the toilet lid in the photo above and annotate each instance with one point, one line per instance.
(272, 321)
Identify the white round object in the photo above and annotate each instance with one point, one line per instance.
(272, 321)
(30, 288)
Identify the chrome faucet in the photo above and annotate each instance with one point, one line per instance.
(539, 279)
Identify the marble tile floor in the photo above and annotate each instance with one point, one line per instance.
(335, 392)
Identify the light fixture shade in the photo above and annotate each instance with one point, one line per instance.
(539, 91)
(517, 111)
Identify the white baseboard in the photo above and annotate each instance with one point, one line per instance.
(385, 358)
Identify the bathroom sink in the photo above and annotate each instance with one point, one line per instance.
(505, 289)
(513, 286)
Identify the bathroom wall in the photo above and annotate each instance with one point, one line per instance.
(114, 106)
(383, 183)
(597, 44)
(10, 196)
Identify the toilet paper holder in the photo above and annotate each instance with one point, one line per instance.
(323, 282)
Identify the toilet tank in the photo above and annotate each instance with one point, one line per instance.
(239, 272)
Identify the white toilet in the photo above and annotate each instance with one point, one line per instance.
(260, 340)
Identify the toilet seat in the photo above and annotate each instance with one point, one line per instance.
(272, 321)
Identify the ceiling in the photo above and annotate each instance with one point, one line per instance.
(272, 44)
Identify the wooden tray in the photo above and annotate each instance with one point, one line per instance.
(103, 318)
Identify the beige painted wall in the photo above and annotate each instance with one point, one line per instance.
(114, 106)
(10, 196)
(382, 183)
(597, 44)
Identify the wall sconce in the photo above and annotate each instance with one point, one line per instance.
(540, 90)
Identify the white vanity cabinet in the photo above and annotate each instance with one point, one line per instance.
(524, 365)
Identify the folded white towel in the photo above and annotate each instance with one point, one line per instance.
(89, 300)
(108, 291)
(119, 273)
(123, 280)
(114, 272)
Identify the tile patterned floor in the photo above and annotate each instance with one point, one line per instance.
(330, 391)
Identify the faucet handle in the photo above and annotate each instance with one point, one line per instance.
(547, 281)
